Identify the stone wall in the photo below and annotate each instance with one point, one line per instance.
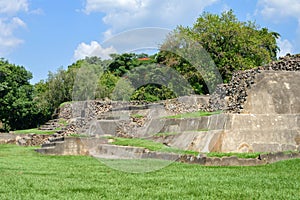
(24, 139)
(235, 161)
(100, 149)
(231, 97)
(257, 93)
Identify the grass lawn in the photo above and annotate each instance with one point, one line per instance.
(193, 115)
(27, 175)
(151, 145)
(62, 122)
(156, 146)
(35, 131)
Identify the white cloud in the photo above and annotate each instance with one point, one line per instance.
(278, 9)
(7, 39)
(9, 23)
(281, 12)
(94, 49)
(128, 14)
(124, 15)
(13, 6)
(285, 47)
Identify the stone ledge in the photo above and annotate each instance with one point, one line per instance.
(235, 161)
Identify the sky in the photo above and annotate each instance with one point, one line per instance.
(44, 35)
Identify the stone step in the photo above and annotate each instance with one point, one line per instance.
(214, 122)
(46, 128)
(46, 150)
(115, 115)
(59, 139)
(51, 144)
(108, 151)
(102, 127)
(137, 107)
(46, 145)
(60, 131)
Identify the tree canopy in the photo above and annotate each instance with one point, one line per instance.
(232, 44)
(16, 106)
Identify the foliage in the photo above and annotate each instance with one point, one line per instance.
(233, 45)
(81, 177)
(154, 82)
(78, 82)
(17, 109)
(106, 85)
(122, 64)
(144, 79)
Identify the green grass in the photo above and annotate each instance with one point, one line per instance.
(65, 103)
(63, 122)
(139, 116)
(156, 146)
(151, 145)
(192, 115)
(28, 175)
(78, 135)
(34, 131)
(239, 155)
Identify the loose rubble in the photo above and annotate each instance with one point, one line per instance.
(232, 96)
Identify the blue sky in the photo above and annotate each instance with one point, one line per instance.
(43, 35)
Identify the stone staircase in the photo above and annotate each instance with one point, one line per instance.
(100, 148)
(52, 146)
(50, 125)
(54, 125)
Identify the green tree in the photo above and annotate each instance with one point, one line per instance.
(78, 82)
(16, 103)
(106, 85)
(232, 44)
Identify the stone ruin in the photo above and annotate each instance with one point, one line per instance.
(260, 113)
(231, 97)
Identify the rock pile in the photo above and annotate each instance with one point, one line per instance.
(32, 139)
(176, 107)
(232, 96)
(84, 109)
(286, 63)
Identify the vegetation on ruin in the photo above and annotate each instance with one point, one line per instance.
(156, 146)
(139, 116)
(192, 115)
(34, 131)
(150, 145)
(232, 45)
(26, 174)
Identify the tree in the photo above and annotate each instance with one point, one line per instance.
(106, 85)
(232, 45)
(16, 102)
(78, 82)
